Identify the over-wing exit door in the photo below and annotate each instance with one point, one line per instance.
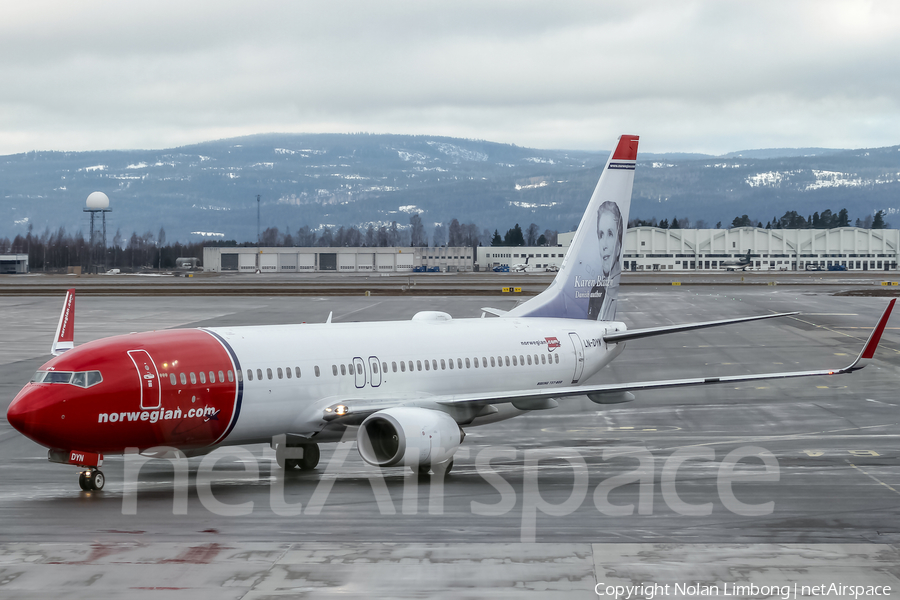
(375, 371)
(151, 392)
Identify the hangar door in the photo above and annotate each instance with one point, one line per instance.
(328, 261)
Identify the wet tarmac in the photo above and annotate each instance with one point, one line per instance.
(770, 483)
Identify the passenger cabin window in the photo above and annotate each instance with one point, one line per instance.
(231, 376)
(484, 362)
(418, 365)
(426, 365)
(212, 377)
(411, 366)
(394, 366)
(172, 379)
(468, 364)
(183, 379)
(280, 373)
(375, 367)
(334, 370)
(543, 359)
(351, 369)
(297, 372)
(343, 369)
(507, 361)
(202, 377)
(529, 359)
(443, 365)
(269, 372)
(249, 374)
(459, 363)
(240, 375)
(557, 358)
(521, 360)
(384, 367)
(492, 361)
(316, 369)
(222, 376)
(402, 367)
(515, 362)
(259, 374)
(287, 372)
(193, 378)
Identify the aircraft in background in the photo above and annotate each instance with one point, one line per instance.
(740, 264)
(526, 268)
(408, 388)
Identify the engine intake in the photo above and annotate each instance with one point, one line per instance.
(411, 437)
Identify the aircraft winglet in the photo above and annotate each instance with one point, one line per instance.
(868, 350)
(65, 330)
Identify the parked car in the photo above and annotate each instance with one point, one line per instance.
(433, 269)
(837, 268)
(419, 269)
(501, 269)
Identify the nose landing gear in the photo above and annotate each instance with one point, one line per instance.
(91, 480)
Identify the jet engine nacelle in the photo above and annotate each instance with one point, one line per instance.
(412, 437)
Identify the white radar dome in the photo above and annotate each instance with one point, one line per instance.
(98, 200)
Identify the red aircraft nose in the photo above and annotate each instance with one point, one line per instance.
(32, 412)
(20, 413)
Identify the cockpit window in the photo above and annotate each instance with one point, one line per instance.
(84, 379)
(58, 377)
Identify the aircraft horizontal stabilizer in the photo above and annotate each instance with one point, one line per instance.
(633, 334)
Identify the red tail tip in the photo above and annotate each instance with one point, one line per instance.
(627, 148)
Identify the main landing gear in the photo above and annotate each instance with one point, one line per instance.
(308, 462)
(91, 480)
(444, 467)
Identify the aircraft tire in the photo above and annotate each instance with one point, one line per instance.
(310, 458)
(96, 480)
(290, 464)
(83, 482)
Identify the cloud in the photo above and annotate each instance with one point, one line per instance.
(701, 76)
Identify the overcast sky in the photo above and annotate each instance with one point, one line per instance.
(703, 76)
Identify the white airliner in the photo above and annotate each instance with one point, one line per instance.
(407, 388)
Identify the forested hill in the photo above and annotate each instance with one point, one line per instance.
(362, 179)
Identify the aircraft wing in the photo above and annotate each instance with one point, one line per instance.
(532, 399)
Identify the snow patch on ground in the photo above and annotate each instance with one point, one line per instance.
(457, 152)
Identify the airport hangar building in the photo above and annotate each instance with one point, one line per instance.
(645, 249)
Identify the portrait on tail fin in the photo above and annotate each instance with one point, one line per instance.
(610, 232)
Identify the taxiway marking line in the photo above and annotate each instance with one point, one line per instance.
(832, 330)
(873, 477)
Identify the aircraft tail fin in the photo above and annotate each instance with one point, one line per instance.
(65, 330)
(587, 284)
